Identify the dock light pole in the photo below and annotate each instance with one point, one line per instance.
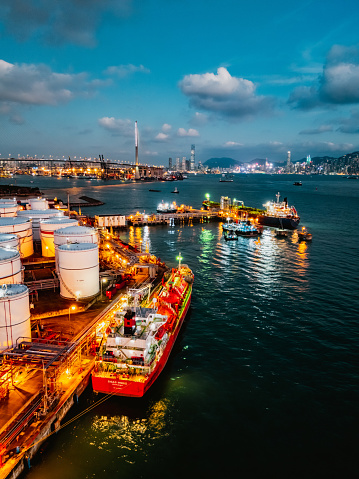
(73, 309)
(179, 257)
(207, 196)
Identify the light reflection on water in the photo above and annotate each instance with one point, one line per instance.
(264, 362)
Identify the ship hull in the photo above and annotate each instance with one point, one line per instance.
(278, 222)
(119, 386)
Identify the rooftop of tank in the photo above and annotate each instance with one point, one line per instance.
(7, 236)
(7, 252)
(12, 289)
(77, 246)
(59, 219)
(50, 212)
(13, 220)
(75, 230)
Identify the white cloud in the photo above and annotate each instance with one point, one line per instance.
(189, 132)
(118, 126)
(166, 127)
(337, 85)
(31, 84)
(231, 144)
(161, 137)
(223, 94)
(124, 70)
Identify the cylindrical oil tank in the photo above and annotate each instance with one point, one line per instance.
(75, 234)
(14, 314)
(9, 240)
(11, 269)
(10, 201)
(47, 230)
(36, 216)
(38, 203)
(22, 227)
(78, 270)
(8, 209)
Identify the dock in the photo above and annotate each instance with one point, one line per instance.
(42, 377)
(194, 216)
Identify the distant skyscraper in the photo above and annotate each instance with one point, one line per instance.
(288, 161)
(170, 163)
(183, 166)
(309, 160)
(178, 164)
(192, 160)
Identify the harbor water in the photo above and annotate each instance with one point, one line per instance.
(263, 380)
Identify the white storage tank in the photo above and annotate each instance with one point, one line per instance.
(47, 230)
(36, 216)
(78, 270)
(75, 234)
(10, 201)
(22, 227)
(8, 209)
(11, 269)
(14, 314)
(38, 203)
(9, 240)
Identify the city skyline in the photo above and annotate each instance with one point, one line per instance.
(237, 80)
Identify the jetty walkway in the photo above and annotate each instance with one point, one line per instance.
(199, 216)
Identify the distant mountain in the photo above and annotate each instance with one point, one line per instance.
(222, 163)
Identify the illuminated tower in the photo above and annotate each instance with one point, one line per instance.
(289, 164)
(137, 172)
(192, 160)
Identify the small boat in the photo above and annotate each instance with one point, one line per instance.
(304, 235)
(281, 233)
(247, 229)
(175, 190)
(230, 235)
(157, 191)
(225, 178)
(297, 183)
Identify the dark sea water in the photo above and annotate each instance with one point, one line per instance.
(263, 381)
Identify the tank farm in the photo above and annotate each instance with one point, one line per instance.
(62, 279)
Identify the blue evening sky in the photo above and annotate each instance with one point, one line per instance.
(237, 79)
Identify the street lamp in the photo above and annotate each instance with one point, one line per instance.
(73, 309)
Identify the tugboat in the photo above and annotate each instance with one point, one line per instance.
(167, 207)
(246, 228)
(279, 215)
(304, 235)
(175, 190)
(230, 235)
(140, 338)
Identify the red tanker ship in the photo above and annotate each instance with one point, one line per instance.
(140, 338)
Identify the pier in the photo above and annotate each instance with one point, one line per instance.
(198, 216)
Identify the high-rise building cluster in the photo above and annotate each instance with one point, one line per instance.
(183, 164)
